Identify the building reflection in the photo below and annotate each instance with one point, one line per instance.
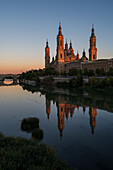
(48, 107)
(93, 114)
(66, 110)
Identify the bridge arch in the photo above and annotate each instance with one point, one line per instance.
(10, 77)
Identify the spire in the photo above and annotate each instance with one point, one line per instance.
(84, 53)
(77, 55)
(66, 45)
(70, 44)
(53, 58)
(93, 34)
(60, 29)
(47, 44)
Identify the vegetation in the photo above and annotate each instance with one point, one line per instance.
(94, 97)
(31, 125)
(48, 81)
(34, 74)
(76, 81)
(62, 84)
(21, 153)
(73, 72)
(37, 134)
(101, 83)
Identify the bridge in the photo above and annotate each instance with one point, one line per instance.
(14, 77)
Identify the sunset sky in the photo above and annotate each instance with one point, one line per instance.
(26, 24)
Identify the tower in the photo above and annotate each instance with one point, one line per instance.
(92, 49)
(71, 49)
(60, 46)
(77, 57)
(48, 107)
(93, 114)
(66, 45)
(61, 116)
(47, 55)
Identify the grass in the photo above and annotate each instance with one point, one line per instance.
(21, 153)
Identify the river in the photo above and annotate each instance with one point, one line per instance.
(78, 125)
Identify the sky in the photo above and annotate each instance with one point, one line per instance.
(26, 24)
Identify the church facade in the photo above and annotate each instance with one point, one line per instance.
(66, 59)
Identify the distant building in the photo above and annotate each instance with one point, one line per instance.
(66, 59)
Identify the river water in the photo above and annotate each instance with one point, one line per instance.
(78, 125)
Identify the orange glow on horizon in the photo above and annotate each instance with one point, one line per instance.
(17, 70)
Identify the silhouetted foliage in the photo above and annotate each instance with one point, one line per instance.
(76, 82)
(21, 153)
(62, 84)
(100, 72)
(29, 124)
(37, 134)
(50, 71)
(73, 72)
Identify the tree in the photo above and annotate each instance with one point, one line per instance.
(73, 72)
(102, 72)
(93, 81)
(86, 72)
(110, 71)
(50, 71)
(91, 72)
(98, 72)
(76, 82)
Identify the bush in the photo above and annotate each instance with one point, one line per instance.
(93, 81)
(62, 84)
(37, 134)
(76, 82)
(29, 124)
(50, 71)
(21, 153)
(73, 72)
(48, 81)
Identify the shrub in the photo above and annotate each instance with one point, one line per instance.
(73, 72)
(37, 134)
(21, 153)
(29, 124)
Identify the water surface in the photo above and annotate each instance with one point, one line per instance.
(79, 126)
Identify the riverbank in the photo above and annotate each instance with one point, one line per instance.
(103, 85)
(21, 153)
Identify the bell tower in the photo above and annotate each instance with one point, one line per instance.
(92, 49)
(60, 46)
(47, 55)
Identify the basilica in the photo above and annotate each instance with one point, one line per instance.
(65, 57)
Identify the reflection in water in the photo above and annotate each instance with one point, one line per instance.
(73, 116)
(8, 81)
(31, 125)
(64, 109)
(48, 107)
(93, 114)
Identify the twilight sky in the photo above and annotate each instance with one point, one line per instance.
(26, 24)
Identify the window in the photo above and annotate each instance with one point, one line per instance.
(60, 55)
(61, 43)
(93, 56)
(61, 109)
